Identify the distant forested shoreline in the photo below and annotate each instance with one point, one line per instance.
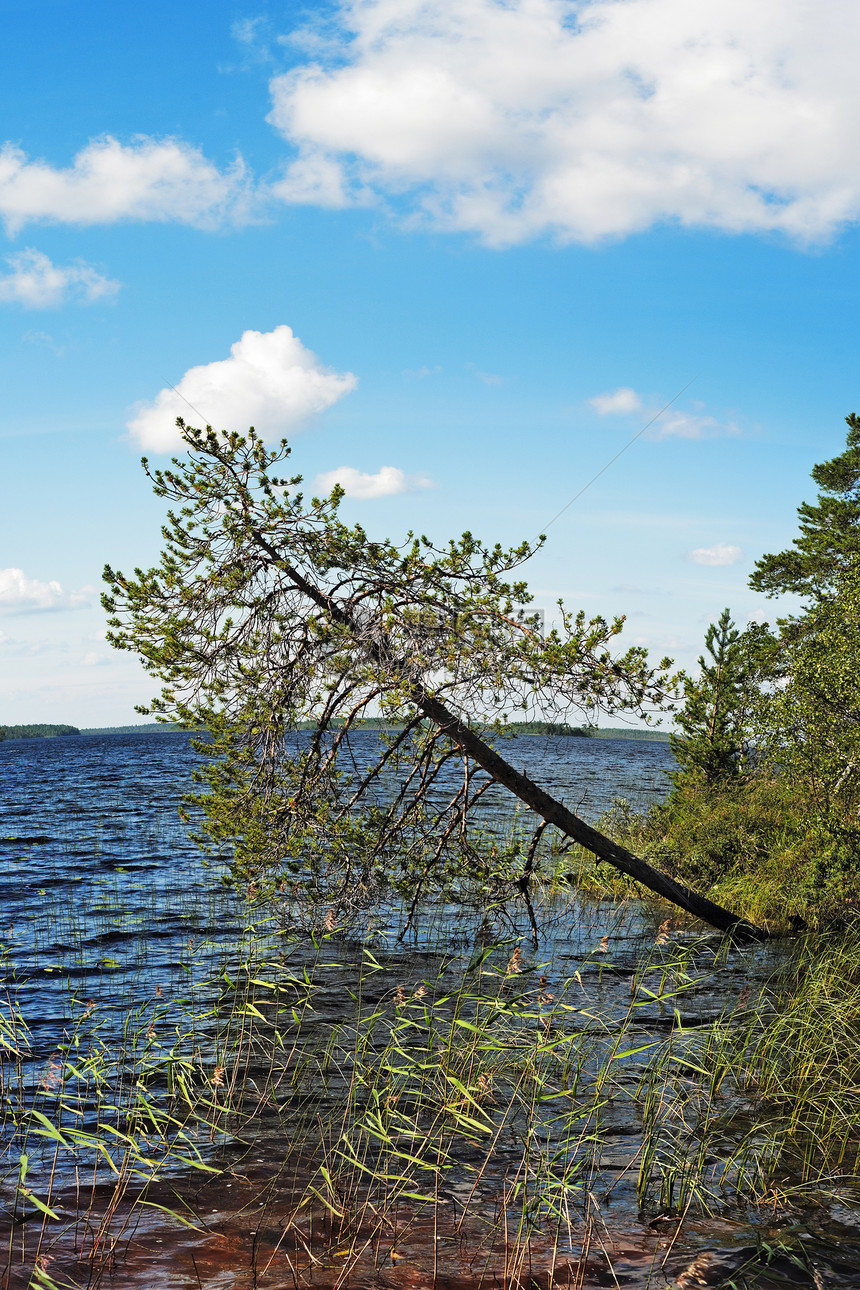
(36, 731)
(555, 729)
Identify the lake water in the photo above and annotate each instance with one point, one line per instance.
(122, 948)
(99, 881)
(101, 890)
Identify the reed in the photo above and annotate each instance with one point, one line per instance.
(476, 1090)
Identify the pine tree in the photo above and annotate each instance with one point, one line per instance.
(267, 612)
(811, 725)
(828, 545)
(711, 744)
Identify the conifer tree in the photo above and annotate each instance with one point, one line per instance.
(267, 611)
(812, 719)
(712, 741)
(828, 545)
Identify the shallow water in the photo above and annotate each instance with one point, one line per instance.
(113, 922)
(103, 894)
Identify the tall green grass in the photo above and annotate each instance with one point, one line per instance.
(502, 1095)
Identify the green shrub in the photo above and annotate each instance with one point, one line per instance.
(760, 846)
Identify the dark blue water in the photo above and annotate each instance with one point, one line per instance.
(99, 882)
(101, 890)
(109, 911)
(106, 904)
(105, 900)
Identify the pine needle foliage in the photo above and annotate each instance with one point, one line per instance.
(712, 741)
(828, 544)
(267, 611)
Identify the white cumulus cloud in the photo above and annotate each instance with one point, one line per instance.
(387, 482)
(271, 381)
(148, 179)
(622, 400)
(717, 556)
(581, 119)
(18, 593)
(37, 283)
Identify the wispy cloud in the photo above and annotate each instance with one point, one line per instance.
(36, 283)
(253, 40)
(44, 339)
(12, 647)
(677, 423)
(271, 381)
(619, 402)
(691, 425)
(95, 658)
(487, 378)
(722, 553)
(387, 482)
(248, 32)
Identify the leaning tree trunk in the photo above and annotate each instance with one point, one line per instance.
(555, 812)
(526, 790)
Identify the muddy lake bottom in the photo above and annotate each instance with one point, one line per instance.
(284, 1106)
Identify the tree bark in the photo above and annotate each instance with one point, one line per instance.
(527, 791)
(554, 812)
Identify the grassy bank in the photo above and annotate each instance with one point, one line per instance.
(761, 848)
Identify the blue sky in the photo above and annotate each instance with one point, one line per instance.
(458, 254)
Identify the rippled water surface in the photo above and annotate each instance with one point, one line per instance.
(102, 892)
(109, 913)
